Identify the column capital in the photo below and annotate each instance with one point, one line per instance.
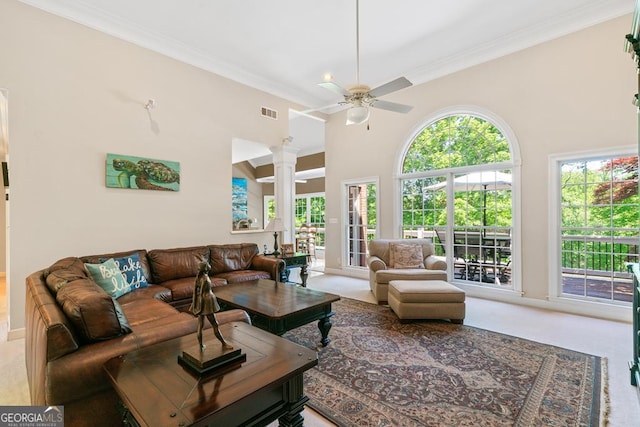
(284, 154)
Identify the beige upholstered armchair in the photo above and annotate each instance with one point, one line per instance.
(402, 259)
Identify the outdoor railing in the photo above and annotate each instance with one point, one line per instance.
(598, 254)
(582, 254)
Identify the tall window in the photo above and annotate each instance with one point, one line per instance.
(456, 187)
(362, 214)
(598, 200)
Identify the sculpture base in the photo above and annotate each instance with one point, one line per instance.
(212, 358)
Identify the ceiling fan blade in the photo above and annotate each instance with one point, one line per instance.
(334, 88)
(391, 106)
(392, 86)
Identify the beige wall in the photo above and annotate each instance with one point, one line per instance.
(567, 95)
(76, 94)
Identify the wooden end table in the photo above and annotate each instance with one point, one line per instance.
(156, 391)
(279, 307)
(297, 260)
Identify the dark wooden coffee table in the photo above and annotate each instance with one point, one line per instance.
(157, 391)
(279, 307)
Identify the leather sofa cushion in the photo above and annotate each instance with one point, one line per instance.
(183, 288)
(146, 310)
(180, 288)
(64, 271)
(47, 323)
(152, 291)
(232, 257)
(93, 313)
(243, 276)
(170, 264)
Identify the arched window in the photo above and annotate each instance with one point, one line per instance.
(456, 181)
(456, 141)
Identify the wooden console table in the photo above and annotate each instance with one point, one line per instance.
(157, 391)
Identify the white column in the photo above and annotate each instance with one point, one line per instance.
(284, 169)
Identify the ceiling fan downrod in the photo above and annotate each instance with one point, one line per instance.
(357, 42)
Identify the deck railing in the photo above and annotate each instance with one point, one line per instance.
(599, 254)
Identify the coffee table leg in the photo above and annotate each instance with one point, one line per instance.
(303, 275)
(324, 324)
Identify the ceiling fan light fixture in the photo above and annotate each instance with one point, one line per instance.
(357, 115)
(360, 96)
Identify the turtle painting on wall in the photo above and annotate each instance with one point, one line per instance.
(142, 173)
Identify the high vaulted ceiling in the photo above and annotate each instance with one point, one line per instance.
(284, 47)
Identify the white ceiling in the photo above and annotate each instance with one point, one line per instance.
(285, 47)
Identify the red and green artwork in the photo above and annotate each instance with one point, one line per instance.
(142, 173)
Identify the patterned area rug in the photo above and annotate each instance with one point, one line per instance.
(379, 372)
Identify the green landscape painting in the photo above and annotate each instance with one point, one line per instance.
(141, 173)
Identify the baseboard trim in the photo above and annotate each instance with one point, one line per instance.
(357, 273)
(16, 334)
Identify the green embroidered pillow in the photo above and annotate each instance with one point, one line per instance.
(109, 277)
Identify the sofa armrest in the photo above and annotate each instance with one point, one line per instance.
(234, 315)
(434, 262)
(270, 264)
(376, 263)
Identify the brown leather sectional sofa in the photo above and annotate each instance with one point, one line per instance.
(73, 326)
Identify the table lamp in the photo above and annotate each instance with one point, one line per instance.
(276, 225)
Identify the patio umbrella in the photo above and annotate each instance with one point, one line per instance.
(478, 181)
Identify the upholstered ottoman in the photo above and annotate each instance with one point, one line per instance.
(426, 299)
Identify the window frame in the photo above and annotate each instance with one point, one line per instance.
(344, 238)
(514, 165)
(555, 293)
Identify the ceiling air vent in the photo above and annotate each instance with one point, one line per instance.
(270, 113)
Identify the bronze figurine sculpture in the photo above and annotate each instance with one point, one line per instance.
(205, 304)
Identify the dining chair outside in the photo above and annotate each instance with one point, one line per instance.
(306, 239)
(459, 262)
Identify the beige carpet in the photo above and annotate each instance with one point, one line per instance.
(13, 373)
(13, 377)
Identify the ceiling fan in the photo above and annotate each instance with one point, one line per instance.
(360, 96)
